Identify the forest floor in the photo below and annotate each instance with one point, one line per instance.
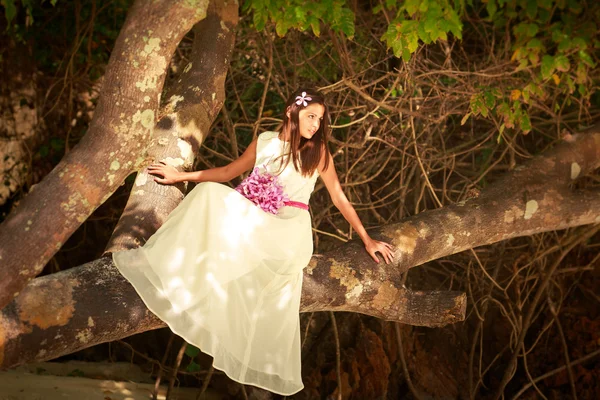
(85, 380)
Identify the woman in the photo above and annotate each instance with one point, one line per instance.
(225, 270)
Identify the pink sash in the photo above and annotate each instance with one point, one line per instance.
(296, 204)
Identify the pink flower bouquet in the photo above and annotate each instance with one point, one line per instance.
(264, 190)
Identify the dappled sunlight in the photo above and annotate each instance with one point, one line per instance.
(210, 278)
(177, 260)
(175, 283)
(286, 296)
(227, 278)
(241, 220)
(200, 258)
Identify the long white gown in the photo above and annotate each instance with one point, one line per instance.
(226, 276)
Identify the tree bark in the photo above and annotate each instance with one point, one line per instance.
(84, 306)
(68, 311)
(121, 128)
(193, 103)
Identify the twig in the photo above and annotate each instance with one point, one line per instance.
(565, 347)
(338, 357)
(175, 369)
(206, 382)
(409, 383)
(160, 369)
(512, 364)
(555, 371)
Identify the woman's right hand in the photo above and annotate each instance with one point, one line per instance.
(168, 173)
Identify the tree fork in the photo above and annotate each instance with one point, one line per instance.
(192, 104)
(111, 149)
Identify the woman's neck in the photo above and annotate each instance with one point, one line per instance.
(284, 135)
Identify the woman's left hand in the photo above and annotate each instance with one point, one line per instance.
(385, 249)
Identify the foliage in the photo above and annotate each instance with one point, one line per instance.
(419, 20)
(10, 9)
(302, 15)
(553, 46)
(552, 43)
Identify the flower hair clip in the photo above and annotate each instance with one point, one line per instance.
(302, 100)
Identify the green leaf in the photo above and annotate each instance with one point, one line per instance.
(10, 11)
(281, 28)
(259, 18)
(347, 22)
(570, 84)
(413, 42)
(547, 66)
(562, 63)
(316, 27)
(397, 47)
(531, 8)
(535, 44)
(406, 54)
(579, 43)
(424, 33)
(411, 6)
(564, 45)
(489, 99)
(525, 123)
(192, 351)
(491, 8)
(526, 96)
(585, 57)
(532, 29)
(522, 64)
(193, 367)
(300, 14)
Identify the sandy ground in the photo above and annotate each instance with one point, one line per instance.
(92, 381)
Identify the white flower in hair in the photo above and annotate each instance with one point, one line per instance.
(302, 100)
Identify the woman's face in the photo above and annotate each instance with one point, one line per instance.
(310, 119)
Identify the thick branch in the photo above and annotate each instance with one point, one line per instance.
(192, 105)
(65, 312)
(536, 197)
(110, 150)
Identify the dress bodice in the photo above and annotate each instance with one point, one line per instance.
(268, 149)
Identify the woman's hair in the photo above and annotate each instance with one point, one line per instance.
(305, 153)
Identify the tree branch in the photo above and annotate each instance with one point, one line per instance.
(74, 309)
(192, 105)
(123, 120)
(65, 312)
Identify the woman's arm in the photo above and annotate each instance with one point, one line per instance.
(170, 174)
(332, 183)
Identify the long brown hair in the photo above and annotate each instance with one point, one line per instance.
(305, 153)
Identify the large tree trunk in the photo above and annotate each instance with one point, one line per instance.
(87, 305)
(192, 105)
(112, 148)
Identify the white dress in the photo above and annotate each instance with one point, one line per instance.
(226, 276)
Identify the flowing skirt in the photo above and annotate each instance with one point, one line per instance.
(227, 277)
